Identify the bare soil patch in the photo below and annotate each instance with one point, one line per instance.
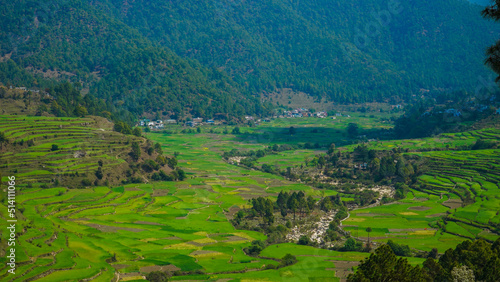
(435, 215)
(420, 199)
(198, 244)
(120, 266)
(148, 269)
(249, 196)
(129, 274)
(234, 239)
(172, 238)
(201, 252)
(106, 228)
(453, 204)
(419, 208)
(132, 189)
(343, 268)
(232, 211)
(409, 230)
(184, 186)
(374, 238)
(160, 192)
(375, 214)
(147, 223)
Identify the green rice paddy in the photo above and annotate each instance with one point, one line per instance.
(122, 233)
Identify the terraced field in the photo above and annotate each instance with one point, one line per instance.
(470, 176)
(122, 233)
(79, 233)
(460, 188)
(81, 143)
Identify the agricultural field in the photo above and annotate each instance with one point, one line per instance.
(124, 232)
(289, 158)
(443, 141)
(145, 227)
(308, 129)
(48, 150)
(316, 130)
(459, 190)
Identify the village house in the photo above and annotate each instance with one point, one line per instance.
(144, 122)
(454, 112)
(321, 114)
(362, 166)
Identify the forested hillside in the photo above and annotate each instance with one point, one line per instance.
(173, 58)
(350, 52)
(76, 41)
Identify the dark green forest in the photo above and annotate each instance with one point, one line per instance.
(349, 52)
(215, 58)
(75, 41)
(469, 261)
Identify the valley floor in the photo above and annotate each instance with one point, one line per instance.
(122, 233)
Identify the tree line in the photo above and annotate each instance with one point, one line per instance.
(469, 261)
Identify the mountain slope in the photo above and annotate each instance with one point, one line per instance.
(73, 40)
(348, 51)
(206, 58)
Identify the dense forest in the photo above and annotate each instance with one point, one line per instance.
(74, 41)
(385, 49)
(215, 59)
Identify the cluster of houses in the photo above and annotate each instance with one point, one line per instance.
(25, 89)
(160, 124)
(156, 124)
(362, 166)
(339, 115)
(301, 112)
(458, 113)
(257, 121)
(198, 121)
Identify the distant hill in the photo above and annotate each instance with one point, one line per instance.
(210, 57)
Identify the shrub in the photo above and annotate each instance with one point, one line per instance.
(304, 240)
(399, 250)
(158, 276)
(352, 245)
(288, 259)
(99, 173)
(270, 266)
(149, 166)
